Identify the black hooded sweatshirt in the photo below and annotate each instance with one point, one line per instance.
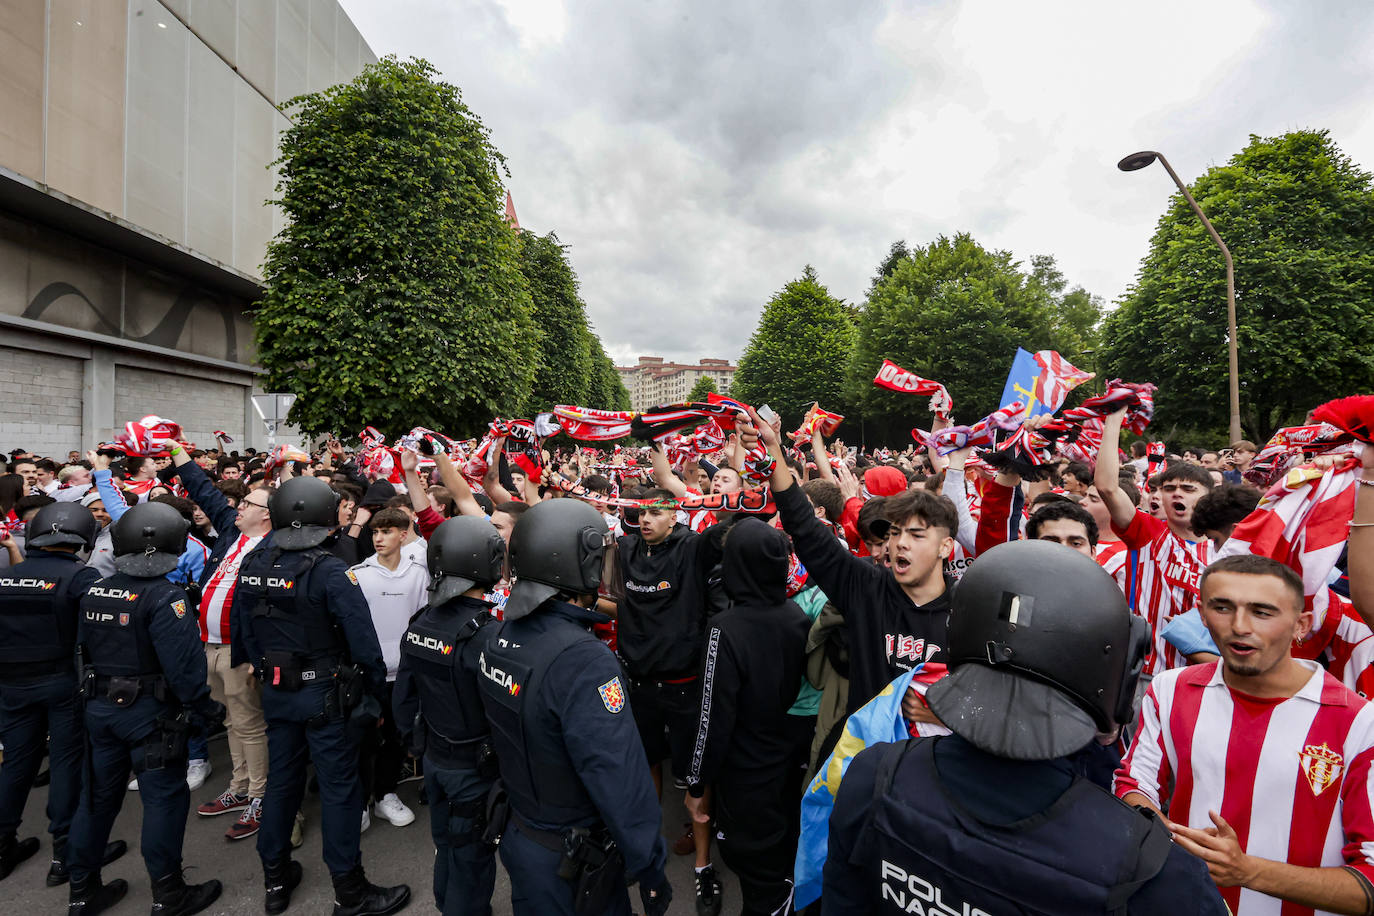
(755, 653)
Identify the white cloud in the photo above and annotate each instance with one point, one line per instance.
(695, 156)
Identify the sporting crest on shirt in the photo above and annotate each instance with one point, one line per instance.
(1321, 765)
(123, 620)
(179, 608)
(612, 695)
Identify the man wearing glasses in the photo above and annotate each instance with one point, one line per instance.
(235, 687)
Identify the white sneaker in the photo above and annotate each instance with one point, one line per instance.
(367, 821)
(133, 784)
(394, 810)
(197, 771)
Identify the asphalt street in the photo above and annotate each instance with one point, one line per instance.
(391, 855)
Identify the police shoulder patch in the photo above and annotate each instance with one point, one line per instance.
(179, 608)
(612, 695)
(352, 577)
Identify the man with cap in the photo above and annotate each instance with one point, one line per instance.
(144, 685)
(997, 817)
(584, 817)
(439, 712)
(39, 601)
(303, 622)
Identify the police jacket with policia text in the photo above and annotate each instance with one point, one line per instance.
(755, 653)
(438, 679)
(38, 613)
(143, 627)
(304, 602)
(662, 624)
(564, 732)
(888, 633)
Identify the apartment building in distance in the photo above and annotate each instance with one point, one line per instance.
(654, 381)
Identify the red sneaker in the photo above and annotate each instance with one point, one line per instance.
(247, 824)
(223, 805)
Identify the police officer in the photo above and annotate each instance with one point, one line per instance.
(1044, 656)
(304, 624)
(439, 710)
(145, 689)
(583, 813)
(39, 601)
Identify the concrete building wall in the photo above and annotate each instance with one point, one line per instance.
(41, 409)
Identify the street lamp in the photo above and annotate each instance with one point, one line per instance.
(1135, 162)
(273, 408)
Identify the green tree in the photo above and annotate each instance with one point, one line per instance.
(563, 374)
(606, 391)
(895, 255)
(953, 312)
(1074, 315)
(394, 294)
(1298, 216)
(798, 352)
(705, 385)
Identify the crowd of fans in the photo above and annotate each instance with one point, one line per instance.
(878, 540)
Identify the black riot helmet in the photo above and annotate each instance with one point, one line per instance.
(463, 552)
(149, 539)
(1043, 653)
(556, 548)
(303, 510)
(62, 523)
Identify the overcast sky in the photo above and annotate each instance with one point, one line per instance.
(695, 156)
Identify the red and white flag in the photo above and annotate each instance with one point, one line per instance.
(1057, 378)
(1302, 522)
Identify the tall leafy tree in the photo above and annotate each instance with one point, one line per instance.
(895, 255)
(606, 390)
(1298, 216)
(563, 374)
(394, 294)
(704, 386)
(954, 312)
(798, 352)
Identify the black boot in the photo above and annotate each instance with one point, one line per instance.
(354, 895)
(57, 871)
(88, 896)
(13, 851)
(280, 879)
(172, 896)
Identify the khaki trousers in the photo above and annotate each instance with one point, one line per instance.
(241, 695)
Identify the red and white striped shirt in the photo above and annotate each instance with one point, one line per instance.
(1290, 775)
(218, 596)
(1161, 580)
(1112, 557)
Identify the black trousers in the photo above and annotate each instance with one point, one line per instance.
(757, 836)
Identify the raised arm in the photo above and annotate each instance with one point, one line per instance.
(491, 480)
(1106, 476)
(462, 493)
(822, 458)
(663, 472)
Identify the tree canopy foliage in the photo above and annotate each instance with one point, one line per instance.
(798, 350)
(564, 370)
(1298, 216)
(955, 312)
(393, 294)
(704, 385)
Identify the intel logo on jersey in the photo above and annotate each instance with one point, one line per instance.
(914, 894)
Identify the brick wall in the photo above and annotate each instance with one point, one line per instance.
(40, 402)
(201, 406)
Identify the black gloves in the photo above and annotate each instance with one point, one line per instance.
(656, 897)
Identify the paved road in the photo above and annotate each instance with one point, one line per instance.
(391, 855)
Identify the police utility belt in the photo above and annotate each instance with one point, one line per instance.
(123, 690)
(589, 860)
(290, 671)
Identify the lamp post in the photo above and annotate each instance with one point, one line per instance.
(272, 409)
(1137, 161)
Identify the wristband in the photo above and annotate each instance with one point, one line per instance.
(176, 450)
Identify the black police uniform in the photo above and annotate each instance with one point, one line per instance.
(439, 710)
(39, 600)
(146, 687)
(302, 622)
(936, 825)
(570, 761)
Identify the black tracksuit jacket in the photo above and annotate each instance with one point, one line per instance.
(662, 624)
